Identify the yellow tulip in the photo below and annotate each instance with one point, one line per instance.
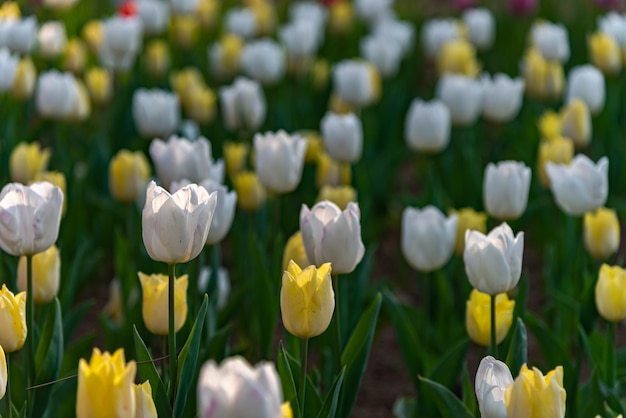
(314, 145)
(184, 30)
(155, 307)
(458, 57)
(605, 53)
(478, 317)
(105, 386)
(92, 34)
(307, 300)
(10, 10)
(201, 107)
(58, 179)
(544, 79)
(341, 16)
(611, 293)
(144, 404)
(265, 17)
(337, 105)
(114, 308)
(184, 82)
(4, 375)
(27, 160)
(46, 274)
(549, 125)
(100, 85)
(128, 175)
(24, 81)
(533, 395)
(251, 194)
(376, 83)
(207, 11)
(12, 319)
(320, 73)
(235, 154)
(339, 195)
(329, 172)
(157, 58)
(576, 122)
(232, 46)
(294, 250)
(601, 233)
(285, 410)
(470, 219)
(75, 56)
(557, 150)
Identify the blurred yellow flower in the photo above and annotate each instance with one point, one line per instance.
(155, 306)
(251, 194)
(610, 293)
(100, 85)
(337, 105)
(544, 79)
(314, 145)
(320, 73)
(341, 16)
(201, 105)
(470, 219)
(576, 122)
(157, 58)
(106, 386)
(10, 10)
(58, 179)
(558, 150)
(294, 251)
(184, 30)
(207, 11)
(376, 83)
(601, 233)
(26, 161)
(185, 82)
(92, 34)
(235, 154)
(329, 172)
(339, 195)
(128, 175)
(145, 407)
(458, 56)
(75, 56)
(265, 17)
(307, 300)
(46, 274)
(12, 319)
(24, 81)
(478, 317)
(231, 46)
(549, 125)
(605, 52)
(82, 106)
(286, 410)
(533, 395)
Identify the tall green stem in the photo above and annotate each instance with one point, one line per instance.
(304, 353)
(30, 326)
(337, 316)
(172, 333)
(7, 398)
(494, 345)
(610, 355)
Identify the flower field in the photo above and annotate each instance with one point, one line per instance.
(337, 208)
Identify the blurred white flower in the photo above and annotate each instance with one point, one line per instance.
(372, 10)
(19, 35)
(551, 40)
(121, 41)
(156, 112)
(301, 38)
(383, 52)
(263, 60)
(343, 136)
(57, 94)
(184, 6)
(309, 11)
(505, 189)
(154, 14)
(587, 83)
(437, 32)
(427, 126)
(243, 105)
(503, 97)
(356, 82)
(463, 96)
(52, 39)
(400, 32)
(481, 27)
(8, 68)
(614, 25)
(241, 21)
(279, 159)
(222, 287)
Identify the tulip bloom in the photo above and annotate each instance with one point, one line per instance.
(29, 217)
(155, 306)
(436, 32)
(427, 126)
(493, 263)
(4, 375)
(175, 227)
(307, 300)
(383, 53)
(343, 137)
(481, 27)
(534, 395)
(468, 218)
(144, 404)
(27, 160)
(357, 83)
(502, 97)
(128, 175)
(427, 237)
(601, 233)
(478, 320)
(120, 41)
(605, 52)
(251, 194)
(587, 83)
(12, 319)
(458, 56)
(46, 274)
(278, 160)
(243, 105)
(544, 79)
(576, 122)
(557, 150)
(225, 55)
(155, 112)
(332, 235)
(235, 156)
(492, 379)
(8, 69)
(295, 252)
(264, 61)
(505, 189)
(551, 40)
(24, 81)
(105, 386)
(463, 96)
(610, 293)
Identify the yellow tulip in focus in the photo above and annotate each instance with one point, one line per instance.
(12, 319)
(26, 161)
(557, 150)
(458, 57)
(576, 122)
(611, 293)
(470, 219)
(155, 307)
(100, 85)
(320, 73)
(207, 11)
(294, 251)
(307, 300)
(128, 175)
(46, 274)
(144, 404)
(601, 233)
(157, 58)
(75, 56)
(533, 395)
(184, 30)
(106, 386)
(235, 154)
(201, 107)
(251, 194)
(339, 195)
(92, 34)
(10, 10)
(605, 53)
(4, 375)
(478, 317)
(24, 81)
(58, 179)
(341, 16)
(549, 125)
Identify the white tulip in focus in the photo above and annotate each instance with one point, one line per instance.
(236, 389)
(580, 186)
(427, 237)
(551, 40)
(121, 41)
(263, 60)
(356, 82)
(222, 286)
(279, 160)
(52, 39)
(19, 35)
(463, 96)
(175, 227)
(243, 105)
(587, 83)
(493, 262)
(492, 379)
(156, 112)
(57, 95)
(427, 126)
(241, 21)
(383, 52)
(29, 217)
(505, 189)
(436, 32)
(154, 14)
(399, 32)
(332, 236)
(343, 136)
(481, 27)
(502, 97)
(372, 10)
(8, 69)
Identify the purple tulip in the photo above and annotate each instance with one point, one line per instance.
(523, 7)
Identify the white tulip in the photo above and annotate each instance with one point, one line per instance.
(505, 189)
(19, 35)
(427, 237)
(427, 126)
(309, 11)
(503, 97)
(52, 39)
(580, 186)
(279, 160)
(587, 83)
(614, 25)
(332, 236)
(154, 14)
(493, 262)
(175, 227)
(241, 21)
(355, 82)
(492, 379)
(8, 69)
(156, 112)
(302, 38)
(481, 27)
(184, 6)
(343, 136)
(223, 284)
(383, 52)
(30, 217)
(263, 60)
(372, 10)
(436, 32)
(121, 41)
(57, 94)
(551, 40)
(243, 105)
(463, 96)
(400, 32)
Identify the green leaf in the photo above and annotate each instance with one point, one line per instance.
(313, 401)
(446, 371)
(449, 405)
(287, 381)
(187, 360)
(551, 346)
(469, 397)
(147, 371)
(355, 355)
(329, 408)
(518, 349)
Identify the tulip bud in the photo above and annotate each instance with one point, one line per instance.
(339, 195)
(10, 10)
(505, 189)
(502, 97)
(4, 375)
(145, 407)
(106, 382)
(235, 154)
(557, 150)
(549, 125)
(157, 58)
(533, 394)
(24, 81)
(263, 61)
(610, 293)
(27, 160)
(343, 136)
(427, 237)
(156, 112)
(330, 172)
(57, 95)
(92, 34)
(493, 263)
(551, 40)
(463, 96)
(478, 317)
(264, 16)
(481, 26)
(468, 219)
(614, 25)
(154, 15)
(52, 39)
(605, 53)
(278, 160)
(427, 126)
(601, 233)
(155, 306)
(75, 56)
(320, 73)
(357, 82)
(12, 320)
(294, 252)
(436, 32)
(100, 85)
(458, 57)
(587, 83)
(492, 379)
(251, 194)
(128, 175)
(46, 275)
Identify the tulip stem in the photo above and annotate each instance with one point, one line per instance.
(30, 321)
(610, 355)
(7, 398)
(304, 353)
(494, 345)
(337, 315)
(172, 333)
